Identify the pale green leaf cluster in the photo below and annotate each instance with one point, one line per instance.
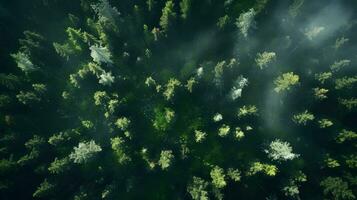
(100, 54)
(303, 118)
(218, 177)
(123, 123)
(84, 151)
(264, 59)
(247, 110)
(325, 123)
(168, 14)
(280, 151)
(200, 136)
(198, 189)
(346, 135)
(257, 167)
(23, 62)
(223, 131)
(245, 21)
(320, 93)
(170, 88)
(285, 81)
(118, 147)
(166, 158)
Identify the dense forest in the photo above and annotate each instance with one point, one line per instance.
(178, 99)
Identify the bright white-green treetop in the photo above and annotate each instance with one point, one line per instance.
(264, 59)
(23, 62)
(106, 13)
(280, 151)
(218, 177)
(100, 54)
(84, 151)
(166, 158)
(285, 81)
(238, 86)
(198, 189)
(106, 78)
(246, 21)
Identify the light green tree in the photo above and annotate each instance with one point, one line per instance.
(218, 177)
(84, 151)
(285, 81)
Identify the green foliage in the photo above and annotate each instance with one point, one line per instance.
(320, 93)
(58, 166)
(170, 88)
(223, 131)
(247, 110)
(140, 99)
(351, 161)
(84, 151)
(200, 136)
(325, 123)
(331, 163)
(335, 67)
(234, 174)
(346, 135)
(345, 82)
(163, 118)
(166, 158)
(340, 42)
(198, 189)
(118, 147)
(44, 189)
(280, 151)
(150, 4)
(238, 134)
(264, 59)
(168, 15)
(285, 81)
(100, 97)
(223, 21)
(100, 54)
(123, 123)
(23, 62)
(322, 77)
(28, 97)
(190, 83)
(245, 22)
(185, 6)
(348, 103)
(105, 12)
(5, 100)
(256, 167)
(303, 118)
(218, 177)
(9, 81)
(336, 188)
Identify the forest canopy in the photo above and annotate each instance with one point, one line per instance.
(178, 99)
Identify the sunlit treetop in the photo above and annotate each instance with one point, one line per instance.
(285, 81)
(168, 14)
(245, 22)
(23, 62)
(166, 158)
(100, 54)
(106, 13)
(264, 59)
(303, 118)
(280, 151)
(84, 151)
(198, 189)
(218, 177)
(106, 79)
